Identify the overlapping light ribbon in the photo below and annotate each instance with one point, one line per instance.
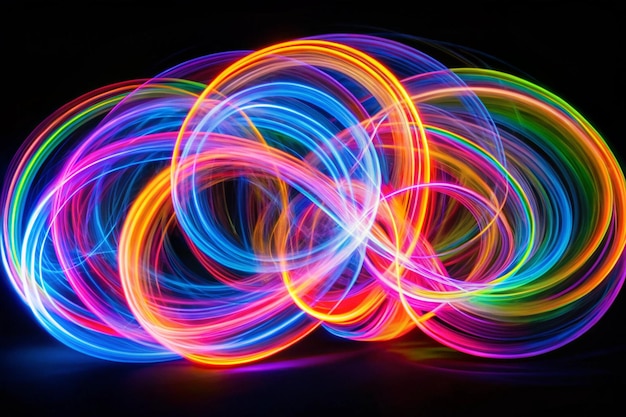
(231, 205)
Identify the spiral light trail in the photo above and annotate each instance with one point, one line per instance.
(228, 207)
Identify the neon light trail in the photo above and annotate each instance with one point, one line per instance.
(226, 208)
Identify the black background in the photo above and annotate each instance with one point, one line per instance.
(55, 52)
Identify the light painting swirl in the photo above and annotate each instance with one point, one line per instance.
(228, 207)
